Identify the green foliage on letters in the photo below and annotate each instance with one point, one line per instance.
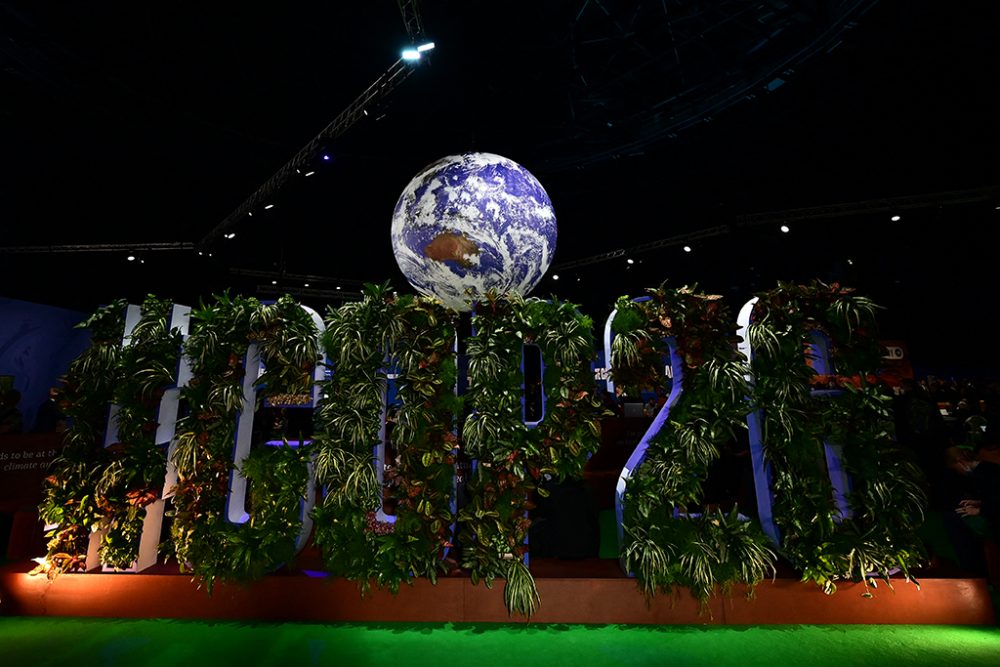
(887, 498)
(663, 545)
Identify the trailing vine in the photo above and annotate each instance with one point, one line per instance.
(667, 541)
(887, 498)
(204, 541)
(513, 459)
(414, 336)
(69, 500)
(132, 476)
(347, 427)
(423, 437)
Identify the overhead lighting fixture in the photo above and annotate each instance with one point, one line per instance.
(310, 173)
(305, 284)
(250, 214)
(269, 206)
(687, 248)
(413, 54)
(895, 218)
(274, 282)
(200, 253)
(555, 276)
(231, 235)
(130, 258)
(784, 229)
(326, 158)
(850, 262)
(338, 286)
(630, 260)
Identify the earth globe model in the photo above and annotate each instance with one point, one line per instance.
(473, 222)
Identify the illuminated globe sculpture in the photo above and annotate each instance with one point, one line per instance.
(473, 222)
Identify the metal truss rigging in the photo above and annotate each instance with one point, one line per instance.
(385, 84)
(410, 10)
(989, 194)
(645, 247)
(96, 247)
(885, 205)
(642, 72)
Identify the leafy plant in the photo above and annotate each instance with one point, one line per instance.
(69, 501)
(414, 337)
(887, 497)
(513, 458)
(134, 465)
(204, 541)
(664, 545)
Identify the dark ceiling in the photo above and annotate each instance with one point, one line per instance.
(150, 123)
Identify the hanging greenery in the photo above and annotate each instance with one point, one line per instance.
(204, 541)
(886, 499)
(134, 465)
(513, 459)
(668, 540)
(70, 502)
(347, 427)
(425, 358)
(415, 337)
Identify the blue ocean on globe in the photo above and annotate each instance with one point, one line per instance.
(473, 222)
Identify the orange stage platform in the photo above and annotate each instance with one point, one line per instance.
(579, 599)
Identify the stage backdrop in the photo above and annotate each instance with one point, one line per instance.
(37, 342)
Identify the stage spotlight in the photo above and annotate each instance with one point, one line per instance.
(850, 262)
(895, 218)
(310, 173)
(555, 276)
(274, 282)
(269, 206)
(231, 235)
(200, 253)
(630, 260)
(784, 229)
(687, 248)
(413, 55)
(130, 258)
(326, 158)
(338, 287)
(305, 284)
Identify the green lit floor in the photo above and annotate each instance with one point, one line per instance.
(133, 643)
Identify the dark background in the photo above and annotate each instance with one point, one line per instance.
(136, 123)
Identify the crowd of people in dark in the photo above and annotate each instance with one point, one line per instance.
(953, 429)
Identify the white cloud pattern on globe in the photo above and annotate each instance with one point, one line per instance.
(473, 222)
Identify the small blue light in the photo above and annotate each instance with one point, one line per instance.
(326, 157)
(291, 443)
